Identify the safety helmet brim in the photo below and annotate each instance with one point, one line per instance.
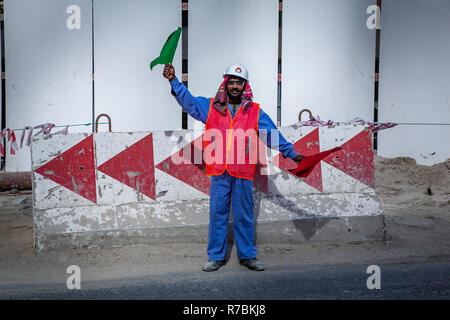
(237, 70)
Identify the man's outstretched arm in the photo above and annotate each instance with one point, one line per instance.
(197, 107)
(286, 148)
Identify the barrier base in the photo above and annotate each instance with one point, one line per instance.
(189, 223)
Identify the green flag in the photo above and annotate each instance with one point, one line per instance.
(168, 50)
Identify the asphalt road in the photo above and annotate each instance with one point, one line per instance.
(398, 281)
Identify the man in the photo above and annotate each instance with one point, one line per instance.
(231, 110)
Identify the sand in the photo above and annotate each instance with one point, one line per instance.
(401, 183)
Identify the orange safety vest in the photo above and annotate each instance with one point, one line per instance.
(231, 143)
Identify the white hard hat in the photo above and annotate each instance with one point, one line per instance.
(237, 70)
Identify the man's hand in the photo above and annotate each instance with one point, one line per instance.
(298, 158)
(169, 72)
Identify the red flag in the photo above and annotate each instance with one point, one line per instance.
(308, 163)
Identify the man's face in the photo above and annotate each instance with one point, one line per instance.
(235, 87)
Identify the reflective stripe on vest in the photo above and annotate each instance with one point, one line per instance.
(231, 143)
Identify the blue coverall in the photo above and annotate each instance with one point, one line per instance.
(226, 187)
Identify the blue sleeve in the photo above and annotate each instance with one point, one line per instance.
(197, 107)
(266, 124)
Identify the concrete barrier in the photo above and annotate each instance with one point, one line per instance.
(108, 189)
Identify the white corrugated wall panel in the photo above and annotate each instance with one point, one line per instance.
(222, 33)
(48, 68)
(328, 60)
(415, 79)
(128, 36)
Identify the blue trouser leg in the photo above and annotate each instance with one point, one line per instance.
(219, 210)
(243, 217)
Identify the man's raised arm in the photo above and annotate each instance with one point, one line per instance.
(197, 107)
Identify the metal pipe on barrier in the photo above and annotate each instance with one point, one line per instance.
(15, 180)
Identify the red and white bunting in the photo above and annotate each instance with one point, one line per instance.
(10, 136)
(12, 140)
(2, 146)
(30, 128)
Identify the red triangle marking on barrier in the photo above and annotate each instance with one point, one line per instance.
(134, 167)
(356, 158)
(307, 145)
(74, 169)
(188, 167)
